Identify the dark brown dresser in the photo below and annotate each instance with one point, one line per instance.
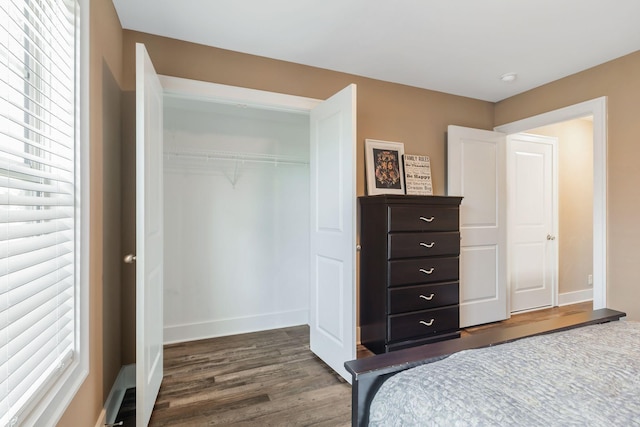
(409, 269)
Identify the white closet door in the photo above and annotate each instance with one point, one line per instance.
(476, 171)
(332, 318)
(149, 236)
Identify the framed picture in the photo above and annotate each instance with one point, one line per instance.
(383, 166)
(417, 175)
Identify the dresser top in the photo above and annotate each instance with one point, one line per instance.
(400, 199)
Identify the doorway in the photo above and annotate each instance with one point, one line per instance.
(331, 208)
(575, 206)
(596, 109)
(236, 218)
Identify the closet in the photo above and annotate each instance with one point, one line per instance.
(236, 218)
(245, 219)
(258, 213)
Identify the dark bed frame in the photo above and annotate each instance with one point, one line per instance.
(369, 373)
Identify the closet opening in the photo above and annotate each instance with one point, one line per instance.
(236, 218)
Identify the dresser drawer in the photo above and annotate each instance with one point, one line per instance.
(422, 297)
(423, 323)
(412, 245)
(423, 270)
(423, 218)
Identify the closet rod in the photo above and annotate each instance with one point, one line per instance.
(238, 157)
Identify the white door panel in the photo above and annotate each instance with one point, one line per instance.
(476, 171)
(149, 236)
(532, 190)
(333, 209)
(474, 262)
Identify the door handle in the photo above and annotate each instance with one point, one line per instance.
(129, 259)
(550, 237)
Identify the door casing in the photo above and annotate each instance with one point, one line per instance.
(598, 109)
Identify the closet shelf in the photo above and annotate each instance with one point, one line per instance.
(235, 156)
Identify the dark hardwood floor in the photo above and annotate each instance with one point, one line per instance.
(532, 316)
(268, 378)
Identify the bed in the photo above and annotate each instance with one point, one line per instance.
(594, 375)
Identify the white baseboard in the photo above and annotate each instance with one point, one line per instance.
(126, 379)
(575, 297)
(240, 325)
(102, 419)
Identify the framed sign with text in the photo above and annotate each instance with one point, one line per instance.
(417, 173)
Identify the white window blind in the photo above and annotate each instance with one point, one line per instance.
(39, 199)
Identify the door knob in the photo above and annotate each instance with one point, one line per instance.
(129, 259)
(550, 237)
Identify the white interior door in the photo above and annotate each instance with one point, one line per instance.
(476, 171)
(149, 236)
(533, 211)
(332, 158)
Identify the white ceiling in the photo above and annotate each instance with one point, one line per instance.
(454, 46)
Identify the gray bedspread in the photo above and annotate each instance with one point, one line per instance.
(588, 376)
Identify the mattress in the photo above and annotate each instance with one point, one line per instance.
(588, 376)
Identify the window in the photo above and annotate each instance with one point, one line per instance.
(42, 338)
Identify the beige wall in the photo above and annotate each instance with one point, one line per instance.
(128, 232)
(619, 81)
(106, 51)
(112, 252)
(575, 188)
(386, 111)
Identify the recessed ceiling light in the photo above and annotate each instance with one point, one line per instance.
(509, 77)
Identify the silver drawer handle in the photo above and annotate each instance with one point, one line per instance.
(429, 271)
(427, 245)
(429, 323)
(427, 219)
(429, 298)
